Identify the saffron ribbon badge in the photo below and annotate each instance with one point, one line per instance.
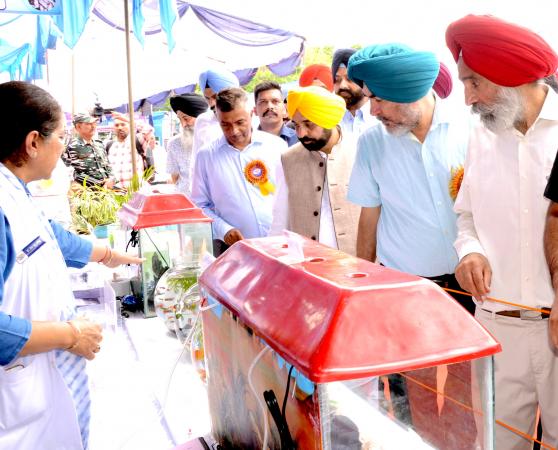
(256, 173)
(455, 181)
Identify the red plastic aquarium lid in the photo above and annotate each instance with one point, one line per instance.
(146, 210)
(336, 317)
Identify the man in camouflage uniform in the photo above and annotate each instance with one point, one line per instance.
(87, 155)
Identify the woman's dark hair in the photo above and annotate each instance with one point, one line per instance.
(25, 108)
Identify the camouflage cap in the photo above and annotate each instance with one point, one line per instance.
(83, 118)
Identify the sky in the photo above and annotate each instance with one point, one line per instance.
(420, 24)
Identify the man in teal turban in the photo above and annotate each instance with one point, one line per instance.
(213, 81)
(398, 81)
(404, 166)
(394, 72)
(401, 176)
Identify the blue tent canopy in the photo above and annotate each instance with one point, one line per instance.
(23, 56)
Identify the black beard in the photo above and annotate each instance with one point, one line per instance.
(314, 145)
(353, 100)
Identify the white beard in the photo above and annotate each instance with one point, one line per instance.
(504, 114)
(187, 138)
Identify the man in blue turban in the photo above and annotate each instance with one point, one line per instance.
(403, 169)
(207, 128)
(213, 81)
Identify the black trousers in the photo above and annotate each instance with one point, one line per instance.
(219, 247)
(448, 281)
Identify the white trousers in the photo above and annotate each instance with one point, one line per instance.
(526, 376)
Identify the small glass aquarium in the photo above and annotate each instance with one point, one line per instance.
(172, 235)
(177, 297)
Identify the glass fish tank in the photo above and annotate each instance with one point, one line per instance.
(326, 351)
(171, 234)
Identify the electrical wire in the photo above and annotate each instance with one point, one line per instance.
(283, 409)
(163, 404)
(258, 399)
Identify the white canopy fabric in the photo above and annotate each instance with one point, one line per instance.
(95, 70)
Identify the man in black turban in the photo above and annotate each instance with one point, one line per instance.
(190, 104)
(179, 148)
(357, 118)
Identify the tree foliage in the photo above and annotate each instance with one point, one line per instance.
(312, 55)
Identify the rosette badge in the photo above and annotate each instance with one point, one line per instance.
(257, 174)
(455, 181)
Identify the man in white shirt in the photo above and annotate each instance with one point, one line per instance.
(120, 153)
(234, 176)
(314, 173)
(357, 117)
(502, 212)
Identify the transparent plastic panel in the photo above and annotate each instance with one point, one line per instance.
(155, 244)
(196, 239)
(166, 247)
(447, 407)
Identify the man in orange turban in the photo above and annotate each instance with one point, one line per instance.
(501, 208)
(316, 75)
(313, 175)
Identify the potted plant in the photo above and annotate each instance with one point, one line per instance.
(94, 207)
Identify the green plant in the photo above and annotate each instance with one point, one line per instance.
(181, 284)
(135, 184)
(95, 205)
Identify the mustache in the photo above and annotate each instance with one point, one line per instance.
(347, 91)
(270, 112)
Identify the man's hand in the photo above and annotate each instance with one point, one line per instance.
(473, 273)
(232, 236)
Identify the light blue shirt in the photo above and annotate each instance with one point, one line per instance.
(410, 181)
(220, 188)
(360, 122)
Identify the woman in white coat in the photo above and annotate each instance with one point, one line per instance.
(44, 401)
